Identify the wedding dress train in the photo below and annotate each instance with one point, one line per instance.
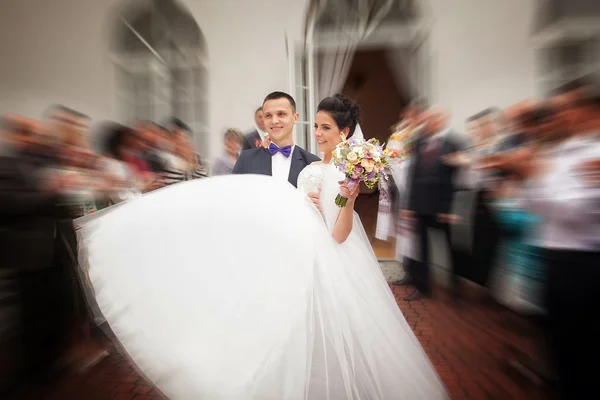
(232, 288)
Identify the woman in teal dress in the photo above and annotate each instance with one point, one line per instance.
(520, 279)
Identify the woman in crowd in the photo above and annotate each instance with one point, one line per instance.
(234, 142)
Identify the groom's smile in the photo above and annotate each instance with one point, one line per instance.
(280, 117)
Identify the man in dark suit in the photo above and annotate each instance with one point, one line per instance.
(29, 212)
(256, 138)
(282, 159)
(430, 195)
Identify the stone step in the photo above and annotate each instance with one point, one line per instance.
(392, 270)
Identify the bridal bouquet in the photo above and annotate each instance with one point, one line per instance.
(361, 161)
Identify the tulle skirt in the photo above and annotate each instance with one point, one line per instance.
(232, 288)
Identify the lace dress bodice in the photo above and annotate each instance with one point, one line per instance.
(311, 177)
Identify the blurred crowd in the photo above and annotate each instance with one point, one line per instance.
(519, 208)
(51, 174)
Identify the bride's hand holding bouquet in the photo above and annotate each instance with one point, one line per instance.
(361, 161)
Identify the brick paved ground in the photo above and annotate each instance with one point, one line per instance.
(468, 345)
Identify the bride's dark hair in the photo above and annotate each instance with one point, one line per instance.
(343, 110)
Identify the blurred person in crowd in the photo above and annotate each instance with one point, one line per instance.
(152, 145)
(30, 206)
(74, 156)
(494, 134)
(520, 274)
(186, 149)
(520, 278)
(122, 179)
(510, 136)
(259, 135)
(76, 159)
(484, 130)
(431, 193)
(137, 146)
(68, 124)
(234, 142)
(173, 167)
(562, 189)
(532, 125)
(406, 240)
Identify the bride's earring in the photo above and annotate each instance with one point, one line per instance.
(342, 136)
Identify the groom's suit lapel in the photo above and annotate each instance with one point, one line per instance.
(297, 165)
(265, 162)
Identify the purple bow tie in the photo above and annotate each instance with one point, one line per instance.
(285, 150)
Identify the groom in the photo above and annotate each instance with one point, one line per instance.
(282, 159)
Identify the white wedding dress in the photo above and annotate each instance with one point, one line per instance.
(232, 288)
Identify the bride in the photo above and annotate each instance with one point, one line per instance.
(214, 301)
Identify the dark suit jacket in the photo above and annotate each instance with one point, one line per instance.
(28, 217)
(432, 185)
(258, 161)
(250, 140)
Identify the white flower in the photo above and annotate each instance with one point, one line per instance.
(368, 165)
(352, 157)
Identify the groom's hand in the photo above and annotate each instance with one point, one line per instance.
(314, 197)
(267, 142)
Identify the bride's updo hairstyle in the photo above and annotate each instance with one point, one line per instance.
(343, 110)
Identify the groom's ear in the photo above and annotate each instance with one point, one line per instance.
(296, 117)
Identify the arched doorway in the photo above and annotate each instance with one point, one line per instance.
(160, 55)
(376, 51)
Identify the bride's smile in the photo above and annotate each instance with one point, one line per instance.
(327, 132)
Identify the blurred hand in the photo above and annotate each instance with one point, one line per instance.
(458, 159)
(154, 184)
(350, 194)
(493, 161)
(590, 171)
(68, 182)
(107, 184)
(450, 219)
(315, 198)
(407, 215)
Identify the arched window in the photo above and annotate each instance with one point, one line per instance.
(160, 58)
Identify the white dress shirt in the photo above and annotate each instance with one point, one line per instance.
(261, 134)
(280, 165)
(441, 135)
(569, 206)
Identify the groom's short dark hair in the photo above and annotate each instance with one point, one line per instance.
(281, 95)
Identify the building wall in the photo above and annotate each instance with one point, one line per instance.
(482, 55)
(58, 53)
